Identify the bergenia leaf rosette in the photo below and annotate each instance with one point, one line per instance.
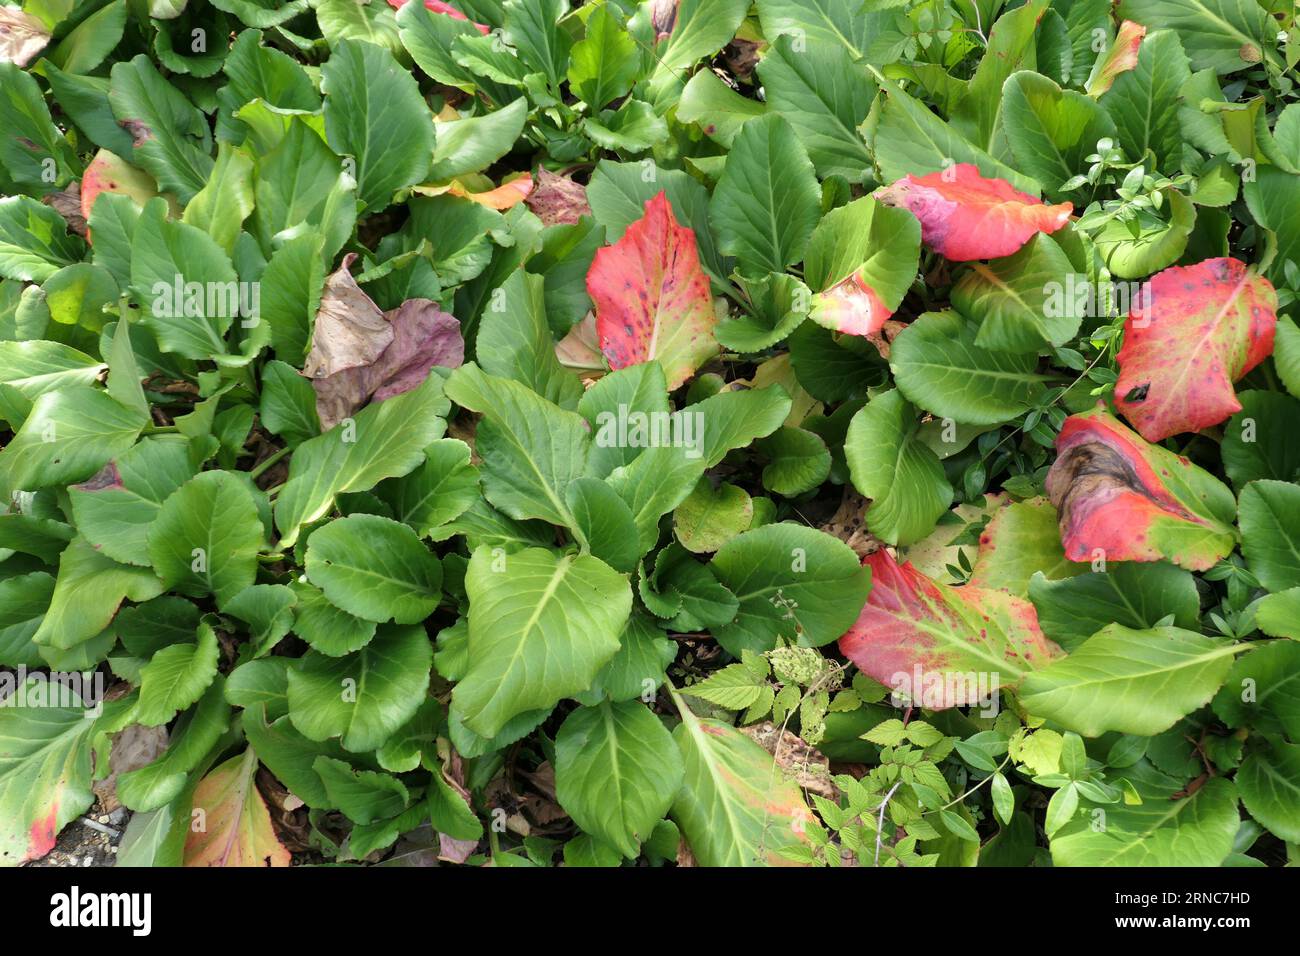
(966, 216)
(1123, 499)
(1193, 331)
(941, 646)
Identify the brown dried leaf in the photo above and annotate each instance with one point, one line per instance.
(350, 329)
(67, 203)
(22, 36)
(558, 200)
(132, 748)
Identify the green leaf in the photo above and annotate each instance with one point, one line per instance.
(716, 108)
(1165, 829)
(438, 491)
(68, 436)
(710, 517)
(474, 143)
(429, 38)
(1222, 35)
(222, 205)
(196, 732)
(115, 509)
(531, 449)
(1138, 100)
(1018, 299)
(46, 770)
(1254, 440)
(186, 281)
(1159, 242)
(605, 63)
(375, 114)
(735, 807)
(902, 477)
(171, 137)
(605, 522)
(766, 203)
(617, 771)
(515, 342)
(1269, 784)
(800, 461)
(375, 568)
(825, 96)
(938, 366)
(24, 600)
(1263, 690)
(1050, 131)
(33, 145)
(1135, 595)
(540, 628)
(365, 697)
(384, 440)
(34, 240)
(176, 677)
(206, 537)
(792, 582)
(1270, 529)
(363, 795)
(1134, 682)
(533, 27)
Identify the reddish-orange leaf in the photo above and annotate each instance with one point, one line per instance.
(1122, 499)
(109, 173)
(502, 198)
(942, 646)
(437, 6)
(851, 306)
(1193, 331)
(230, 824)
(652, 298)
(965, 216)
(1120, 58)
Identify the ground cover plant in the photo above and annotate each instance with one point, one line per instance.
(681, 432)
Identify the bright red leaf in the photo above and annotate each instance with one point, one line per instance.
(652, 298)
(851, 306)
(965, 216)
(931, 642)
(1193, 331)
(1122, 499)
(437, 6)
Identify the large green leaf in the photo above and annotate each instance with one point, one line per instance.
(938, 366)
(34, 240)
(46, 768)
(68, 436)
(1136, 595)
(375, 568)
(1168, 828)
(176, 677)
(901, 475)
(365, 697)
(171, 137)
(1049, 130)
(735, 807)
(1222, 35)
(766, 203)
(825, 96)
(375, 114)
(383, 440)
(1139, 98)
(792, 582)
(617, 771)
(1134, 682)
(206, 537)
(540, 628)
(531, 449)
(1270, 529)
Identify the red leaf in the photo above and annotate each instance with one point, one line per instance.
(109, 173)
(437, 6)
(1120, 58)
(1193, 331)
(652, 298)
(921, 637)
(965, 216)
(851, 306)
(234, 828)
(1122, 499)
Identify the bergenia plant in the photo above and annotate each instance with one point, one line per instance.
(679, 432)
